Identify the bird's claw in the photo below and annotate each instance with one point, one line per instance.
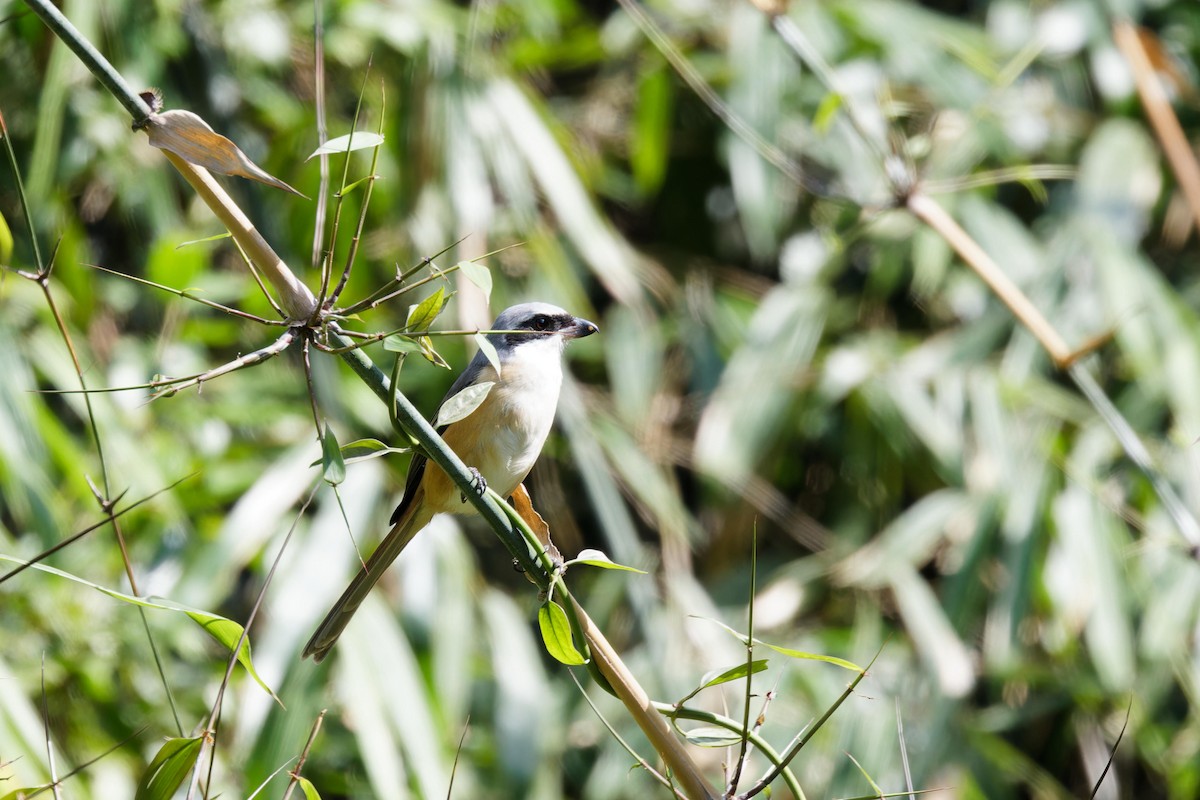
(478, 483)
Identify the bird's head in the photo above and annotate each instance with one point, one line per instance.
(546, 324)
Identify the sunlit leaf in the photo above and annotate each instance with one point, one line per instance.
(477, 274)
(489, 351)
(556, 634)
(790, 653)
(840, 662)
(462, 404)
(595, 558)
(364, 449)
(422, 316)
(169, 768)
(310, 791)
(359, 140)
(717, 677)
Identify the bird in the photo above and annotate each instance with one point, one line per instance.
(500, 441)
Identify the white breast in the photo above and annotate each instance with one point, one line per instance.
(526, 398)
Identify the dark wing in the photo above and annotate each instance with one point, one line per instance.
(416, 467)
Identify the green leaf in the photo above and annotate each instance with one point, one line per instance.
(652, 130)
(310, 791)
(21, 794)
(595, 558)
(489, 351)
(169, 768)
(216, 237)
(363, 449)
(359, 140)
(430, 354)
(422, 316)
(228, 632)
(826, 112)
(786, 651)
(401, 344)
(350, 187)
(712, 737)
(479, 275)
(225, 631)
(717, 677)
(463, 403)
(6, 243)
(331, 458)
(556, 634)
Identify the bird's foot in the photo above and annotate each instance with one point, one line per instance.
(478, 483)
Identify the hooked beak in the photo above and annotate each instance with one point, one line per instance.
(579, 329)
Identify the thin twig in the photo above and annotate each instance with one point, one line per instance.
(327, 261)
(801, 741)
(214, 717)
(675, 713)
(312, 737)
(658, 776)
(352, 250)
(744, 754)
(42, 556)
(322, 135)
(186, 295)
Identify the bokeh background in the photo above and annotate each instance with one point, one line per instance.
(784, 355)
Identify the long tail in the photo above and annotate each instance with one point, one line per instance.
(409, 525)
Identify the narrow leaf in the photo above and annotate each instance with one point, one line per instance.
(228, 632)
(479, 275)
(362, 449)
(214, 238)
(462, 404)
(359, 140)
(595, 558)
(170, 767)
(423, 315)
(712, 737)
(556, 634)
(787, 651)
(717, 677)
(332, 463)
(489, 351)
(310, 791)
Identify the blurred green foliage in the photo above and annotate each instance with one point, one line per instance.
(804, 360)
